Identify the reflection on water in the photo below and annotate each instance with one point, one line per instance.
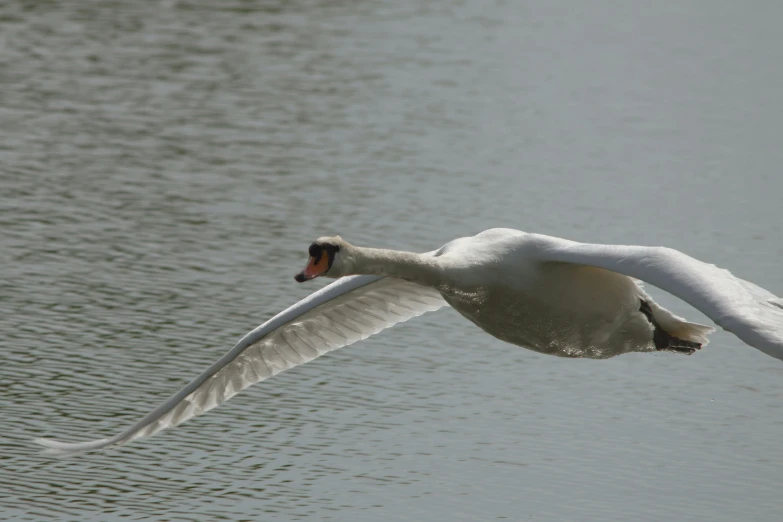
(164, 167)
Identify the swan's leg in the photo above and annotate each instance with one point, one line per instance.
(663, 340)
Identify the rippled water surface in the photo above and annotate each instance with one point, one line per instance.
(164, 166)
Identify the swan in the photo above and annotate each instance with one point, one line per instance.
(544, 293)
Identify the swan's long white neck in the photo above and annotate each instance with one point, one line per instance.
(418, 268)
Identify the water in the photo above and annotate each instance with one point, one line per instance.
(164, 168)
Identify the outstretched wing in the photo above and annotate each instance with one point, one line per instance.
(346, 311)
(750, 312)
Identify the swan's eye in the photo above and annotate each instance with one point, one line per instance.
(315, 251)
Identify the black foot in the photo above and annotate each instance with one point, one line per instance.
(664, 342)
(680, 346)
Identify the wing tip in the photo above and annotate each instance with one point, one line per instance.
(64, 449)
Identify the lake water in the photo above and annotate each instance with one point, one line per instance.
(164, 166)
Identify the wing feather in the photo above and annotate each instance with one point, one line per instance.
(348, 310)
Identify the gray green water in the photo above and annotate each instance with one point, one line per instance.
(164, 166)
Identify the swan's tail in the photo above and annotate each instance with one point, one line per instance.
(674, 333)
(64, 449)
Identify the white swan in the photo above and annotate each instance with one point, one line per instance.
(544, 293)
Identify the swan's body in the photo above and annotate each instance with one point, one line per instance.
(555, 308)
(548, 294)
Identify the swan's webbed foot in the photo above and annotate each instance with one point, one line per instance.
(678, 345)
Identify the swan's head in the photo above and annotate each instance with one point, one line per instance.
(329, 257)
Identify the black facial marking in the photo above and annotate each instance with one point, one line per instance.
(331, 250)
(316, 250)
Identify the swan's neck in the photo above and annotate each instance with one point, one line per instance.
(419, 268)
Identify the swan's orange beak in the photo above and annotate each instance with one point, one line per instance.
(315, 267)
